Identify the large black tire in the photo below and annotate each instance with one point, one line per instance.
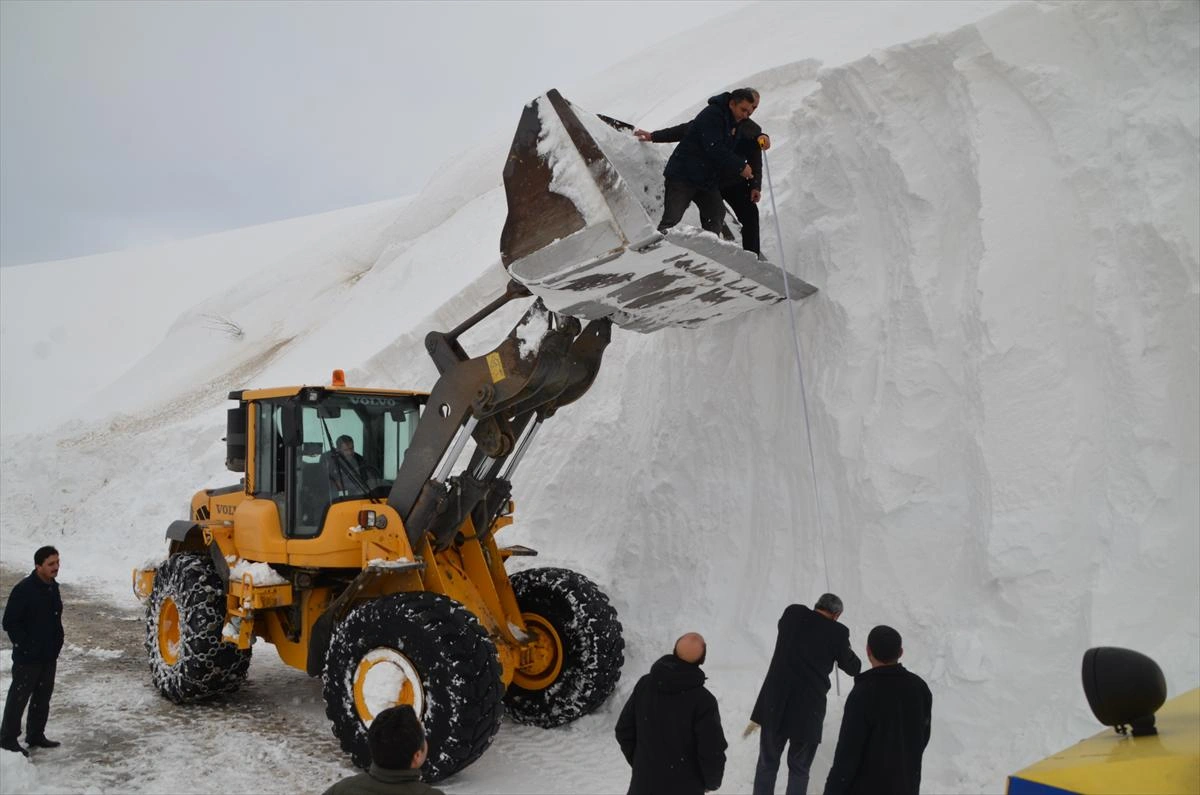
(184, 615)
(585, 661)
(426, 650)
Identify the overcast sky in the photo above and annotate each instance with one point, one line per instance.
(131, 123)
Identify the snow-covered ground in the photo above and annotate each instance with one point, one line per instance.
(1002, 365)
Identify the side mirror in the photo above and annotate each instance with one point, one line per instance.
(291, 424)
(1123, 687)
(235, 438)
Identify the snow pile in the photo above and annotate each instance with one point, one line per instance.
(1003, 374)
(260, 575)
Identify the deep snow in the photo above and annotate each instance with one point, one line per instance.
(1002, 364)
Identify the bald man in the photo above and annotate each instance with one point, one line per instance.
(670, 728)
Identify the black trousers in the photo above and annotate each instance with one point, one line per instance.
(738, 197)
(32, 684)
(678, 195)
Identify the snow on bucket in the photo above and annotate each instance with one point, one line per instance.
(579, 234)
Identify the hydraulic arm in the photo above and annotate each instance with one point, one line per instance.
(499, 399)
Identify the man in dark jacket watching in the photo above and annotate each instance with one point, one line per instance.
(398, 748)
(885, 726)
(670, 729)
(33, 621)
(706, 156)
(791, 704)
(741, 194)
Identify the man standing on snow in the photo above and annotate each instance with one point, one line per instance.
(670, 729)
(885, 726)
(791, 704)
(741, 194)
(705, 156)
(33, 621)
(398, 749)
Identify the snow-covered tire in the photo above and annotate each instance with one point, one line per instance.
(184, 615)
(580, 648)
(422, 649)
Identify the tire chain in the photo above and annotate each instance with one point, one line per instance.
(440, 636)
(206, 665)
(588, 625)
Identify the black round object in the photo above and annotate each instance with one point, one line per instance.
(586, 633)
(185, 614)
(1122, 685)
(455, 686)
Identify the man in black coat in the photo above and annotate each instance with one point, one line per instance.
(670, 728)
(33, 621)
(741, 194)
(885, 726)
(706, 156)
(791, 704)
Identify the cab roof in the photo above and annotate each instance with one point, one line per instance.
(290, 391)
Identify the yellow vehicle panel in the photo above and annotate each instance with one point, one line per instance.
(257, 534)
(338, 547)
(1108, 763)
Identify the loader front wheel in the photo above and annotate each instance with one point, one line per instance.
(421, 649)
(184, 615)
(574, 657)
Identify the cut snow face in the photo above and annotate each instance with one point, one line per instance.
(1002, 379)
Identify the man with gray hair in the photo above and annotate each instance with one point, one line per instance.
(791, 704)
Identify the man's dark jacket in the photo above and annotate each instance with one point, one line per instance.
(383, 781)
(670, 732)
(885, 729)
(745, 146)
(792, 698)
(706, 154)
(33, 620)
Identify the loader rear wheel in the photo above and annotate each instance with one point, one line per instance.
(575, 659)
(422, 649)
(184, 615)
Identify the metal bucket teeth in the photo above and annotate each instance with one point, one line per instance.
(579, 232)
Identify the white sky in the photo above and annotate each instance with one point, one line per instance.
(129, 123)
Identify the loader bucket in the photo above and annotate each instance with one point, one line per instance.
(583, 199)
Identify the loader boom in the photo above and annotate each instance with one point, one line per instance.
(499, 399)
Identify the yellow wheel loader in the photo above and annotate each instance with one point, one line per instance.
(358, 546)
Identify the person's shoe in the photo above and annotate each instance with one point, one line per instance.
(13, 745)
(42, 742)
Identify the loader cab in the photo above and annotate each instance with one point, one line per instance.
(297, 463)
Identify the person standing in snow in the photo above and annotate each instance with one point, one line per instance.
(670, 728)
(790, 708)
(885, 726)
(398, 749)
(741, 194)
(705, 156)
(33, 621)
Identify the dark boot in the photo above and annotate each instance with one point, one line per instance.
(42, 742)
(13, 745)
